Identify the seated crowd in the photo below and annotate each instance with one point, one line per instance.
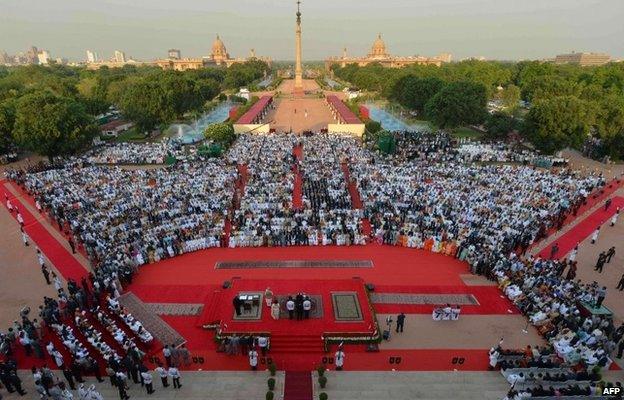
(425, 196)
(536, 372)
(133, 153)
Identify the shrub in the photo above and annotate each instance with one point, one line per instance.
(272, 369)
(323, 396)
(321, 370)
(322, 380)
(269, 395)
(271, 383)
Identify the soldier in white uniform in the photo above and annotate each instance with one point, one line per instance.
(339, 357)
(253, 359)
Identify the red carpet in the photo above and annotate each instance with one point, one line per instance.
(298, 386)
(597, 196)
(392, 265)
(62, 259)
(584, 229)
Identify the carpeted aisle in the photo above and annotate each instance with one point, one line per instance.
(298, 385)
(62, 259)
(584, 229)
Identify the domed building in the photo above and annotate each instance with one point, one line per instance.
(379, 49)
(219, 52)
(379, 54)
(218, 56)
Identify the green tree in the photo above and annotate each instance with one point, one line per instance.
(510, 96)
(413, 92)
(7, 124)
(499, 124)
(458, 103)
(555, 123)
(220, 133)
(52, 125)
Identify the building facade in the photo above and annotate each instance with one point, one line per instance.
(219, 56)
(379, 54)
(583, 59)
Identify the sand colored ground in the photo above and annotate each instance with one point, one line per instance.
(469, 332)
(300, 114)
(22, 283)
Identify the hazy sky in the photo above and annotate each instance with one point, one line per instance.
(145, 29)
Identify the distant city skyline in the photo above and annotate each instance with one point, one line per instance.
(147, 29)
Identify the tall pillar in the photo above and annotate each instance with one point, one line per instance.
(298, 68)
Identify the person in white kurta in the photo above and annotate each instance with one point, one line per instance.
(253, 359)
(594, 236)
(275, 309)
(339, 359)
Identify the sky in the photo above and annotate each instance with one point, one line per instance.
(145, 29)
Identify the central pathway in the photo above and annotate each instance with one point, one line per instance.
(298, 386)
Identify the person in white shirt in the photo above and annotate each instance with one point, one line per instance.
(175, 377)
(148, 381)
(253, 359)
(339, 359)
(307, 306)
(24, 237)
(163, 373)
(594, 236)
(263, 343)
(290, 307)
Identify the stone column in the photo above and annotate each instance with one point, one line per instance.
(298, 68)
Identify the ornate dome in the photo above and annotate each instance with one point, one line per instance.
(379, 48)
(218, 49)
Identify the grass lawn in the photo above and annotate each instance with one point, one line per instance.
(131, 135)
(465, 132)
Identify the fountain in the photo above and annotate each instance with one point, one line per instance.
(193, 133)
(392, 123)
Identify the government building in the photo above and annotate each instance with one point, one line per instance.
(380, 55)
(583, 59)
(218, 57)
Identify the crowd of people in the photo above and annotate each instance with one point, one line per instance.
(134, 153)
(427, 195)
(535, 372)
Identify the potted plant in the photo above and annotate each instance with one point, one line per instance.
(323, 396)
(271, 383)
(322, 380)
(272, 369)
(321, 370)
(269, 395)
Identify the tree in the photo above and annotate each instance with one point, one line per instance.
(555, 123)
(499, 124)
(510, 96)
(372, 126)
(220, 133)
(7, 123)
(458, 103)
(52, 125)
(413, 92)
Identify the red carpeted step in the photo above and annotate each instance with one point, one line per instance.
(298, 385)
(281, 343)
(212, 310)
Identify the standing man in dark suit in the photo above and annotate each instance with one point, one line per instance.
(299, 306)
(400, 322)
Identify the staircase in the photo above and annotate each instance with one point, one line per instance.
(211, 312)
(285, 343)
(298, 386)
